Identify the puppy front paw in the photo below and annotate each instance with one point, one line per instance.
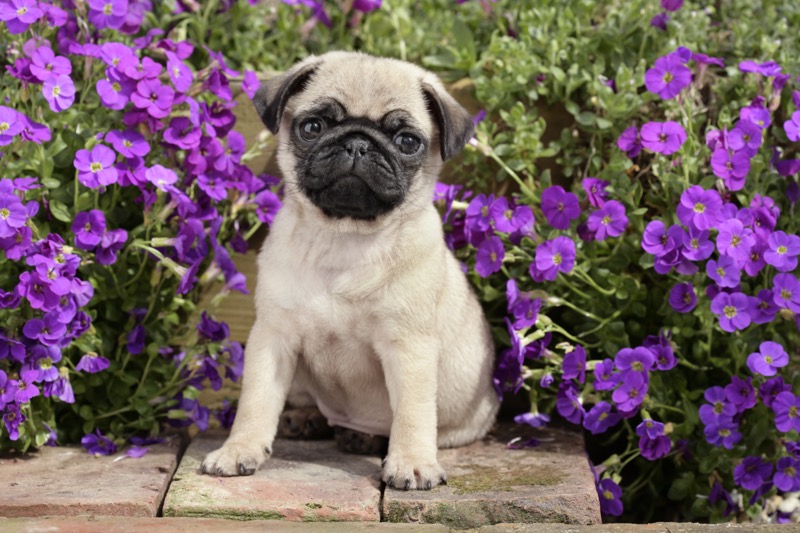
(406, 473)
(235, 459)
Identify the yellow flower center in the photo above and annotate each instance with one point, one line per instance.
(699, 208)
(736, 240)
(4, 213)
(96, 167)
(608, 495)
(116, 87)
(637, 366)
(493, 257)
(768, 359)
(720, 272)
(126, 143)
(694, 244)
(730, 311)
(606, 220)
(4, 126)
(668, 77)
(792, 411)
(603, 416)
(107, 9)
(485, 211)
(557, 259)
(45, 363)
(781, 249)
(786, 294)
(21, 11)
(56, 90)
(724, 432)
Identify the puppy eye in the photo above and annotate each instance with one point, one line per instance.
(311, 129)
(407, 144)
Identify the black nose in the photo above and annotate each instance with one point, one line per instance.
(357, 146)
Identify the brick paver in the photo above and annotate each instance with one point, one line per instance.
(68, 481)
(303, 481)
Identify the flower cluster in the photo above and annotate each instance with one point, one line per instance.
(131, 211)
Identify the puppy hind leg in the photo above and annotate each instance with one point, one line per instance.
(352, 441)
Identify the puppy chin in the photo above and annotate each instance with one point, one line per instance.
(351, 196)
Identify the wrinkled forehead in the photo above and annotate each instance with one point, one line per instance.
(367, 87)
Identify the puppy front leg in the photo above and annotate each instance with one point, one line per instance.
(410, 369)
(269, 367)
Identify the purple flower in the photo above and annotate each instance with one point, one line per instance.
(366, 5)
(786, 292)
(268, 204)
(671, 5)
(768, 68)
(654, 449)
(638, 359)
(762, 308)
(181, 75)
(11, 124)
(19, 14)
(659, 21)
(96, 444)
(731, 167)
(129, 143)
(600, 418)
(91, 363)
(650, 429)
(752, 472)
(107, 13)
(630, 142)
(489, 257)
(682, 297)
(96, 168)
(45, 64)
(608, 221)
(525, 311)
(153, 97)
(610, 497)
(12, 418)
(26, 389)
(745, 137)
(115, 90)
(735, 240)
(604, 376)
(111, 243)
(559, 207)
(787, 474)
(59, 91)
(534, 420)
(210, 329)
(552, 257)
(595, 191)
(479, 213)
(88, 228)
(13, 215)
(731, 310)
(629, 395)
(787, 416)
(792, 127)
(658, 240)
(768, 359)
(741, 394)
(47, 330)
(250, 83)
(782, 251)
(724, 272)
(699, 208)
(568, 403)
(663, 137)
(574, 364)
(703, 59)
(696, 245)
(661, 347)
(724, 433)
(668, 77)
(160, 176)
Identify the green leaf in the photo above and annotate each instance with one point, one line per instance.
(681, 487)
(60, 211)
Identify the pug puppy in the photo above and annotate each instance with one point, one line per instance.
(359, 303)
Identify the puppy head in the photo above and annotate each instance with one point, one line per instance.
(361, 136)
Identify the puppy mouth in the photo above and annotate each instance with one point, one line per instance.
(351, 177)
(351, 196)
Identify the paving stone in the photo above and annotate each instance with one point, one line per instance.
(490, 484)
(91, 524)
(67, 481)
(303, 481)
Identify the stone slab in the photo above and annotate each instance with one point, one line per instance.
(490, 484)
(92, 524)
(303, 481)
(67, 481)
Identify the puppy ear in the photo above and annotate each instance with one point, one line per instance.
(455, 123)
(271, 97)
